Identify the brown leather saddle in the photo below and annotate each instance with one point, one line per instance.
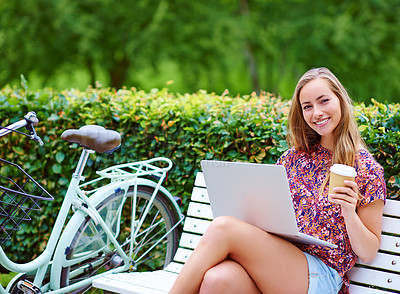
(94, 137)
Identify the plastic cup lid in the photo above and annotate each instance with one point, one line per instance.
(344, 170)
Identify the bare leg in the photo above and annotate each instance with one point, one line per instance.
(228, 277)
(275, 265)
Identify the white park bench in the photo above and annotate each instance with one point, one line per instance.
(381, 276)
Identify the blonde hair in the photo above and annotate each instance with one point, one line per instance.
(346, 134)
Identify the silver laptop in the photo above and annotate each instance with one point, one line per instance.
(257, 194)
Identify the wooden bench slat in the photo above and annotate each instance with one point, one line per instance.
(189, 240)
(174, 267)
(200, 195)
(390, 244)
(375, 278)
(200, 210)
(193, 225)
(384, 261)
(157, 282)
(357, 289)
(391, 225)
(392, 207)
(182, 254)
(199, 181)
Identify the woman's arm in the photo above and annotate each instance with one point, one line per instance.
(365, 230)
(363, 224)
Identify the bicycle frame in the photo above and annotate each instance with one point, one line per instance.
(75, 197)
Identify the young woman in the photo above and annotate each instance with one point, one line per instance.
(235, 257)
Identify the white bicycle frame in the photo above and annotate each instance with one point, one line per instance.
(122, 177)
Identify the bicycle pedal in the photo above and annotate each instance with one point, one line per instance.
(28, 287)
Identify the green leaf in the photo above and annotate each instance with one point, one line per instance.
(43, 98)
(13, 101)
(362, 128)
(24, 82)
(18, 150)
(57, 168)
(60, 157)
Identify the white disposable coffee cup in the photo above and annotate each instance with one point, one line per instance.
(338, 174)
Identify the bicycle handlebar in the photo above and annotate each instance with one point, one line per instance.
(30, 120)
(19, 124)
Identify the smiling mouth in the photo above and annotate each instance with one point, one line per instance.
(321, 122)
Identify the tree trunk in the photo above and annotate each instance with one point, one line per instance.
(92, 74)
(119, 72)
(248, 52)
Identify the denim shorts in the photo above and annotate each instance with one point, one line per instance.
(322, 278)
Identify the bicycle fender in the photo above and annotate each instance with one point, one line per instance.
(96, 198)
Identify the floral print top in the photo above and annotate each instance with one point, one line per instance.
(315, 215)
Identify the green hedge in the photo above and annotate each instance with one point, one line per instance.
(184, 127)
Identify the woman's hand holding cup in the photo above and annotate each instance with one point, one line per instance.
(343, 188)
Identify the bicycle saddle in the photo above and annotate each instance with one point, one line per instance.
(94, 137)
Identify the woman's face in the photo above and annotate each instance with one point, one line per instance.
(321, 109)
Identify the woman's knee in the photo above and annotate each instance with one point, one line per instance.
(228, 277)
(223, 224)
(215, 280)
(228, 230)
(220, 228)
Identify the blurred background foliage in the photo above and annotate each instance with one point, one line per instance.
(240, 45)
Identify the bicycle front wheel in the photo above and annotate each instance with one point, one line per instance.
(91, 251)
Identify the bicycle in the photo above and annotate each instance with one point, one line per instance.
(124, 219)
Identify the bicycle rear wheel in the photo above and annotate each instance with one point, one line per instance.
(91, 240)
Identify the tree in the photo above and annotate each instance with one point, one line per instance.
(242, 45)
(32, 37)
(119, 36)
(42, 36)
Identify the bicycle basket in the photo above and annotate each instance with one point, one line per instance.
(18, 197)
